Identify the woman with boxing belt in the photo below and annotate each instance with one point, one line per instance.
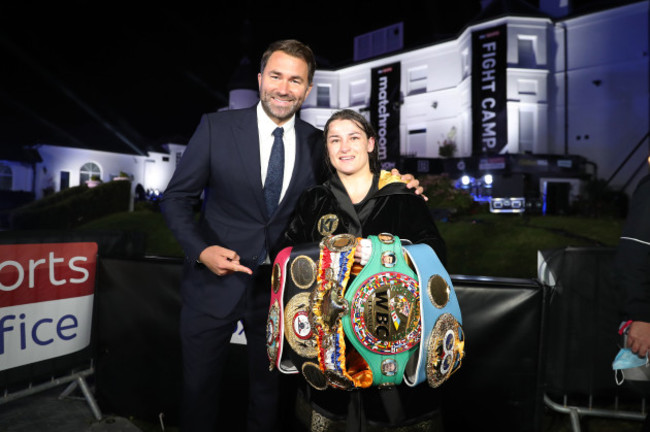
(360, 200)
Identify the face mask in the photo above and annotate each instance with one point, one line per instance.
(626, 359)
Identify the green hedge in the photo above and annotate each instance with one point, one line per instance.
(73, 207)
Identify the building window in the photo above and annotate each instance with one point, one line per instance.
(323, 95)
(64, 180)
(418, 80)
(88, 170)
(526, 130)
(417, 143)
(6, 177)
(527, 87)
(526, 52)
(358, 92)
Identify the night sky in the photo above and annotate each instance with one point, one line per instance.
(98, 74)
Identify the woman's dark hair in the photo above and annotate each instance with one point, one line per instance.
(295, 49)
(365, 126)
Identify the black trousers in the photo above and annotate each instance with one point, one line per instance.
(206, 345)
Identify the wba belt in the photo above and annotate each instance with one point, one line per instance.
(384, 328)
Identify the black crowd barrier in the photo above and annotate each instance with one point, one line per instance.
(498, 386)
(583, 320)
(582, 330)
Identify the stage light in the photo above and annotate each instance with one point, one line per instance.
(465, 180)
(488, 179)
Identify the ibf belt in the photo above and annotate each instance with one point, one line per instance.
(443, 341)
(383, 323)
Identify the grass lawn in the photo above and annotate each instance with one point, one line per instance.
(501, 245)
(506, 245)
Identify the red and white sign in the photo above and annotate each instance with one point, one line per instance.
(46, 300)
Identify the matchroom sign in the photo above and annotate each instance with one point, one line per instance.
(385, 113)
(46, 300)
(489, 103)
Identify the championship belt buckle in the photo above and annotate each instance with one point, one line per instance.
(383, 322)
(442, 345)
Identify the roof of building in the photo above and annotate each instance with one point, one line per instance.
(20, 154)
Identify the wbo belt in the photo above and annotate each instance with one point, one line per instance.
(442, 344)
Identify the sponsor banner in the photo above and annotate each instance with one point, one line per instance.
(41, 331)
(46, 300)
(385, 112)
(489, 96)
(495, 163)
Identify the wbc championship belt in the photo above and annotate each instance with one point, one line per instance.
(442, 345)
(383, 320)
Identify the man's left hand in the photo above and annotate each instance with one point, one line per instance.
(411, 182)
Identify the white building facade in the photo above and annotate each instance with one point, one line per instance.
(64, 167)
(577, 86)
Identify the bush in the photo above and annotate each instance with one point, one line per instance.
(443, 195)
(73, 207)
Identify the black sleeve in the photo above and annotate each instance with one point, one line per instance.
(633, 256)
(301, 225)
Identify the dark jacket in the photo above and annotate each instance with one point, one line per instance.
(633, 256)
(392, 208)
(223, 159)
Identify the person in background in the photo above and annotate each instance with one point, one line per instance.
(633, 272)
(249, 196)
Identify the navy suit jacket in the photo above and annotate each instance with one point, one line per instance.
(222, 158)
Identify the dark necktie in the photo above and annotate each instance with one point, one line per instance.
(275, 173)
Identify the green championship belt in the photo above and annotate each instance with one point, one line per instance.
(383, 318)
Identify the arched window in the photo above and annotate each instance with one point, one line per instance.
(6, 177)
(88, 170)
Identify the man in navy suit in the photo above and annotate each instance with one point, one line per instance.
(226, 275)
(225, 278)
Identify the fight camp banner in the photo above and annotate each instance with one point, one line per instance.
(489, 110)
(46, 300)
(384, 112)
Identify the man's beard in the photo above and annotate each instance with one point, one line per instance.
(277, 112)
